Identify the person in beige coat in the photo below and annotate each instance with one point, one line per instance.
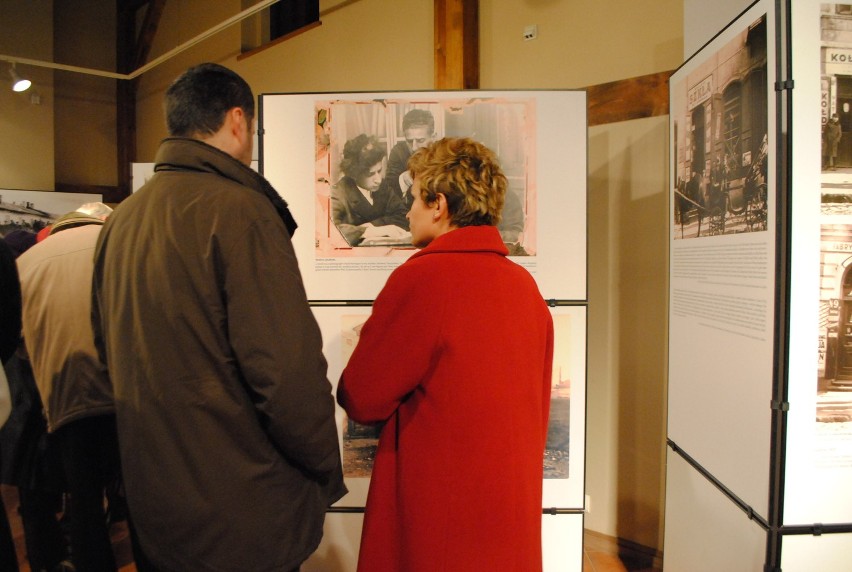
(56, 287)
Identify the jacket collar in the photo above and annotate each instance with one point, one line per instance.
(467, 239)
(187, 154)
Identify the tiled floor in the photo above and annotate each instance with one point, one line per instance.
(600, 554)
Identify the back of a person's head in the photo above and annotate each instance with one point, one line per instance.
(467, 173)
(196, 102)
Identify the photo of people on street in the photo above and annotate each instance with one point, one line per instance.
(721, 150)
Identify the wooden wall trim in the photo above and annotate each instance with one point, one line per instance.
(633, 98)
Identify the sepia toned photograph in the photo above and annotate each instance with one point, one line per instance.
(363, 184)
(720, 162)
(834, 369)
(835, 68)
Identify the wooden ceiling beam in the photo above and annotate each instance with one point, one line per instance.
(456, 44)
(148, 32)
(132, 52)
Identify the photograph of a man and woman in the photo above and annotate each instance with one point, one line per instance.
(363, 185)
(720, 155)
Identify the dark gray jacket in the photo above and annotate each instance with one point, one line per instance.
(225, 416)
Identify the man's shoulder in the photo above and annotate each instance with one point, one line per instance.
(400, 151)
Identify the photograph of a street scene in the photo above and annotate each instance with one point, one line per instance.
(721, 149)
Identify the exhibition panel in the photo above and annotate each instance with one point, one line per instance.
(760, 279)
(539, 138)
(705, 532)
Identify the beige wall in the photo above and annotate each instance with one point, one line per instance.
(369, 45)
(582, 43)
(26, 129)
(625, 452)
(85, 113)
(388, 45)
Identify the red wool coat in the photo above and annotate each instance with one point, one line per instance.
(457, 358)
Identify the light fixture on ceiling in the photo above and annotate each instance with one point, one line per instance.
(18, 83)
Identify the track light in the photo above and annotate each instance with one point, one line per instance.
(18, 83)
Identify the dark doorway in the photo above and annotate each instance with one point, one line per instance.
(698, 135)
(844, 355)
(844, 111)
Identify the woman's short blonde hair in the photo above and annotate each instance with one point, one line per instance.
(467, 174)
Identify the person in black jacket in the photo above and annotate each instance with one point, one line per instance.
(10, 332)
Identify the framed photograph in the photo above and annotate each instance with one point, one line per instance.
(564, 459)
(315, 150)
(722, 251)
(565, 450)
(34, 210)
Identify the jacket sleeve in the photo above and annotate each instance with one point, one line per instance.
(394, 211)
(278, 348)
(399, 344)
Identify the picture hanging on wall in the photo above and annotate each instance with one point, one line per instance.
(340, 161)
(34, 210)
(564, 465)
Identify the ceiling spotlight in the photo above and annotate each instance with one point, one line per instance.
(18, 83)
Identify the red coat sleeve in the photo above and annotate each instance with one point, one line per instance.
(396, 349)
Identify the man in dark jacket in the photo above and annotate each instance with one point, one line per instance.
(225, 416)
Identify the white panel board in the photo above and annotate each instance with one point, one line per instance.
(819, 431)
(564, 482)
(705, 531)
(561, 538)
(808, 553)
(544, 133)
(562, 542)
(722, 255)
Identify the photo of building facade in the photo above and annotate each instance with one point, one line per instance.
(720, 139)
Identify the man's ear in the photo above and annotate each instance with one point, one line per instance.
(236, 119)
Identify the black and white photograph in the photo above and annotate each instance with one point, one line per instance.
(32, 211)
(720, 139)
(363, 183)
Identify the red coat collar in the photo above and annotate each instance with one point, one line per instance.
(467, 239)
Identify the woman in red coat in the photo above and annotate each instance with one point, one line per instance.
(456, 362)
